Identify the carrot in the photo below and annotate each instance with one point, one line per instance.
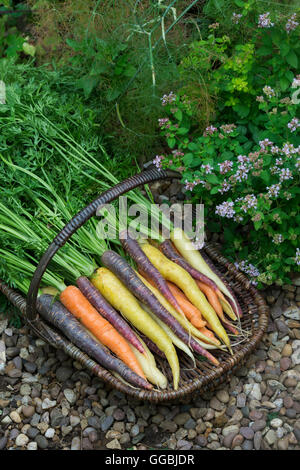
(56, 314)
(176, 274)
(122, 299)
(212, 298)
(175, 340)
(172, 253)
(152, 346)
(207, 332)
(73, 299)
(108, 312)
(190, 311)
(184, 322)
(126, 274)
(134, 250)
(153, 374)
(196, 260)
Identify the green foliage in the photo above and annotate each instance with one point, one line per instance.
(235, 70)
(108, 65)
(33, 93)
(250, 188)
(12, 42)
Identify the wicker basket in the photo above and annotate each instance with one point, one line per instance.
(202, 377)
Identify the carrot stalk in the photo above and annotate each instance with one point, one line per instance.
(108, 312)
(56, 314)
(73, 299)
(134, 250)
(128, 276)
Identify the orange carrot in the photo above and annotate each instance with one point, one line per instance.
(191, 312)
(80, 307)
(208, 333)
(212, 298)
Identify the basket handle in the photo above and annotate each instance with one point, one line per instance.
(77, 221)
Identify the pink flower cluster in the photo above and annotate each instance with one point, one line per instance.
(296, 81)
(294, 124)
(249, 202)
(225, 166)
(249, 269)
(228, 128)
(225, 209)
(189, 185)
(157, 161)
(210, 130)
(273, 190)
(163, 122)
(207, 168)
(277, 239)
(168, 99)
(264, 21)
(268, 91)
(291, 24)
(236, 17)
(297, 257)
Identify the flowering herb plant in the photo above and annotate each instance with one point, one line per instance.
(250, 188)
(235, 69)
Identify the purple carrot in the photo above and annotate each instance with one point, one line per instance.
(108, 312)
(237, 309)
(169, 251)
(152, 346)
(127, 275)
(135, 251)
(56, 314)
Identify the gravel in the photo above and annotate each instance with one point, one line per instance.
(48, 401)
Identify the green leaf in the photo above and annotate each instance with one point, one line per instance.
(264, 50)
(29, 49)
(289, 75)
(241, 109)
(171, 142)
(284, 83)
(75, 45)
(87, 84)
(258, 224)
(239, 3)
(292, 59)
(212, 178)
(192, 146)
(187, 159)
(113, 93)
(276, 37)
(226, 155)
(265, 176)
(178, 115)
(284, 48)
(214, 190)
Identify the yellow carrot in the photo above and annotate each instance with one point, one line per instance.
(148, 364)
(121, 299)
(192, 330)
(176, 274)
